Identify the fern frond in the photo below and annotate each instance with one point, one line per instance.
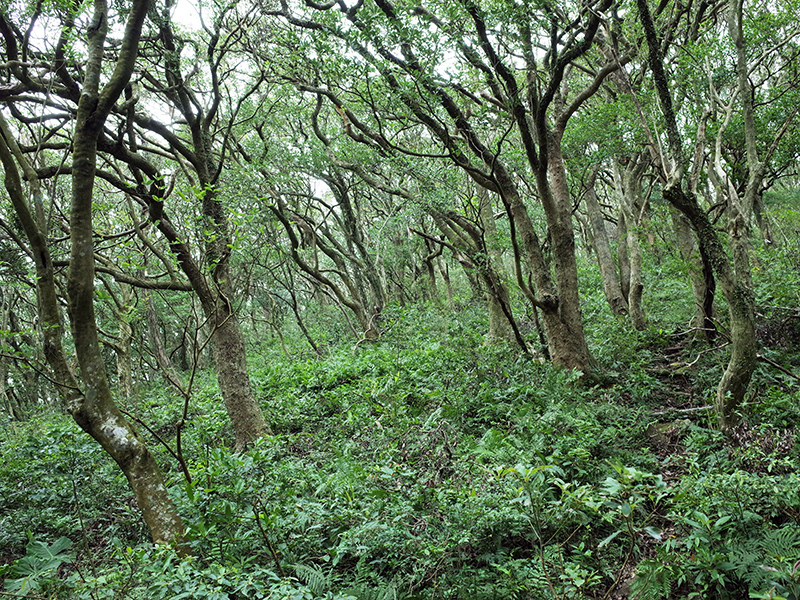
(653, 580)
(782, 542)
(314, 577)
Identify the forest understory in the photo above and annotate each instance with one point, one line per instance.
(428, 464)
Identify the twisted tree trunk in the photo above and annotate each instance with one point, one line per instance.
(89, 399)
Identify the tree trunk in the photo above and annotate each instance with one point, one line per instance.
(734, 276)
(8, 400)
(444, 270)
(241, 404)
(623, 258)
(124, 359)
(157, 341)
(734, 280)
(702, 288)
(762, 220)
(602, 247)
(629, 189)
(501, 325)
(564, 327)
(90, 404)
(432, 252)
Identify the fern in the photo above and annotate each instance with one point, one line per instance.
(782, 542)
(768, 562)
(653, 580)
(369, 586)
(314, 577)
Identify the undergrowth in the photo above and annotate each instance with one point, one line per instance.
(427, 465)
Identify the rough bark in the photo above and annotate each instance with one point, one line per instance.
(95, 410)
(245, 414)
(568, 347)
(230, 358)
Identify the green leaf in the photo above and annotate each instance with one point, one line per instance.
(653, 532)
(607, 541)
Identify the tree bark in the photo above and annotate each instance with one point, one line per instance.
(605, 258)
(629, 189)
(565, 325)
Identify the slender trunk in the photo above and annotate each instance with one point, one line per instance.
(215, 299)
(95, 411)
(629, 189)
(636, 287)
(362, 261)
(602, 247)
(623, 258)
(7, 399)
(157, 341)
(741, 307)
(444, 269)
(702, 288)
(478, 268)
(432, 253)
(242, 407)
(736, 285)
(733, 276)
(301, 324)
(124, 359)
(762, 221)
(501, 319)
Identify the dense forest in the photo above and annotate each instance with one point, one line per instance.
(375, 300)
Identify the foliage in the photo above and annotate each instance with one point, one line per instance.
(37, 569)
(418, 462)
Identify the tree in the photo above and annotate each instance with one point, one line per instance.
(88, 397)
(201, 157)
(470, 112)
(733, 274)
